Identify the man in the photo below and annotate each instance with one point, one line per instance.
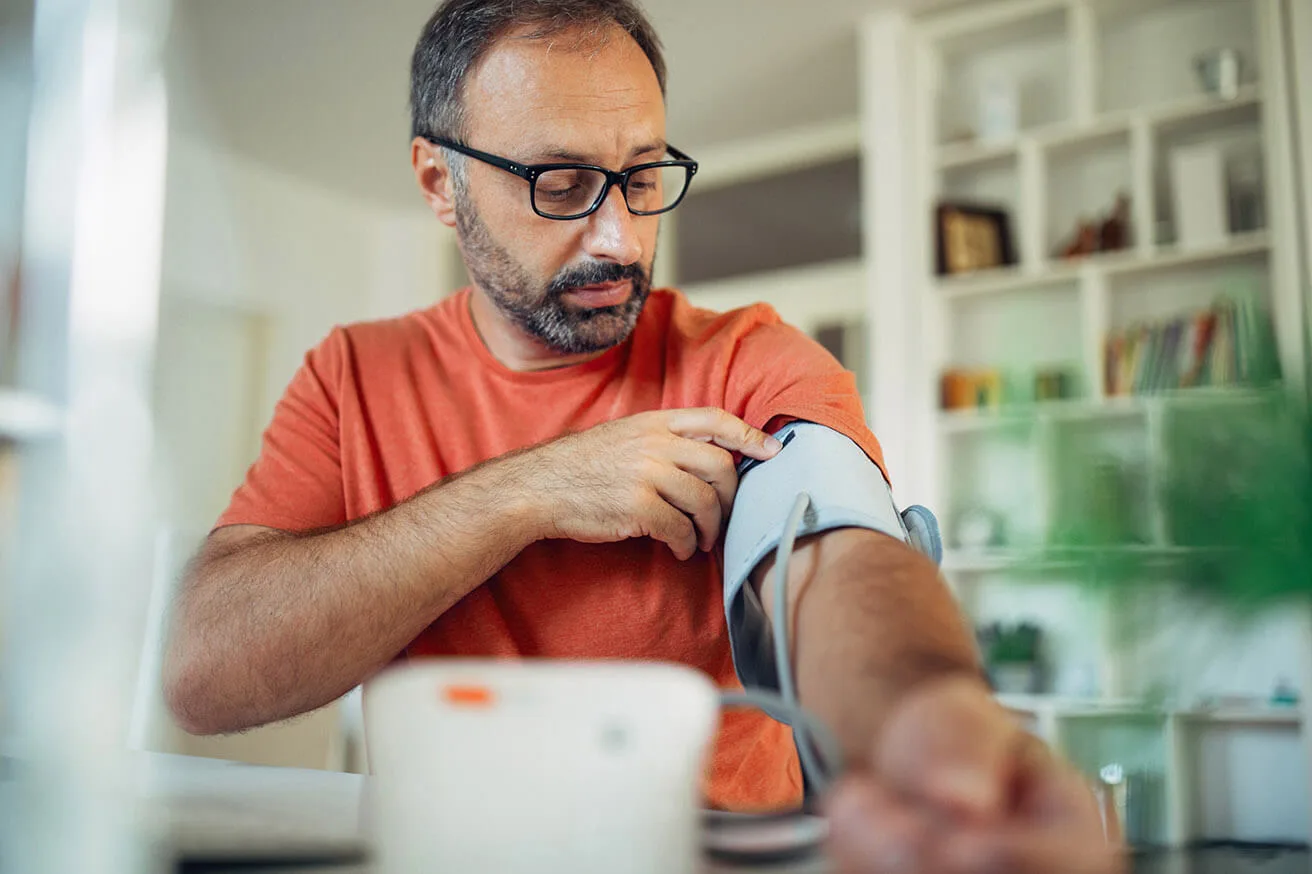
(543, 465)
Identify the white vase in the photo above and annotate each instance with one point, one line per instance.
(1016, 679)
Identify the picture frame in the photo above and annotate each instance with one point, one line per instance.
(972, 237)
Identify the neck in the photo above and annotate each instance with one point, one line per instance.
(510, 345)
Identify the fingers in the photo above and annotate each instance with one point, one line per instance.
(710, 464)
(670, 526)
(1049, 789)
(725, 430)
(950, 746)
(958, 788)
(695, 498)
(871, 833)
(1055, 827)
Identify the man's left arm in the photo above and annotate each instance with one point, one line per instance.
(870, 619)
(942, 777)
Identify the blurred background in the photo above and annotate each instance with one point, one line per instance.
(1063, 245)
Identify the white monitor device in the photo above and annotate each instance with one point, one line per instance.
(542, 767)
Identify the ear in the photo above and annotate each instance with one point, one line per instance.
(434, 178)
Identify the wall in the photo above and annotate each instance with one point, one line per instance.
(246, 237)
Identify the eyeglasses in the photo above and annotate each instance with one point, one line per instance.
(574, 191)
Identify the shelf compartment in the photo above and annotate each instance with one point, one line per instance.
(1146, 52)
(1019, 334)
(1248, 776)
(1085, 176)
(1102, 484)
(1184, 283)
(1031, 55)
(1234, 130)
(1136, 742)
(996, 473)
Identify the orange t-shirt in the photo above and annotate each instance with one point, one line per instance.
(381, 410)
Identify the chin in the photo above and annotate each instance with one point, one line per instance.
(600, 333)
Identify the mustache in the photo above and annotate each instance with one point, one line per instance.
(596, 273)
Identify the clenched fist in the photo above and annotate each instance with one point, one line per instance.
(955, 786)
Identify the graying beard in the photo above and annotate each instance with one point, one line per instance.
(549, 322)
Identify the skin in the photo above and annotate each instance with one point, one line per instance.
(270, 624)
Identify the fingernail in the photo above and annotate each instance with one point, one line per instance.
(772, 444)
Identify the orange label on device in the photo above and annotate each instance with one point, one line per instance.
(468, 696)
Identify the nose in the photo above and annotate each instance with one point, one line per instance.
(612, 234)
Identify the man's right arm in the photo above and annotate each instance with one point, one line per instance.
(271, 624)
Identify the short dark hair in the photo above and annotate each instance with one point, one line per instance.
(461, 31)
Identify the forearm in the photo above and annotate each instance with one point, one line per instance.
(870, 619)
(281, 624)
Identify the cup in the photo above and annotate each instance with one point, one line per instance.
(1219, 70)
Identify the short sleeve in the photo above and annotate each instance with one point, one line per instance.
(779, 375)
(296, 482)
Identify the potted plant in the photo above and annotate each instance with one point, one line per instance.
(1011, 653)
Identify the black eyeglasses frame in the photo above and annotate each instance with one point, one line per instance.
(531, 173)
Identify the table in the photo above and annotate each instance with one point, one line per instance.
(223, 815)
(219, 810)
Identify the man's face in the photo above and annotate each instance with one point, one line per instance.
(576, 286)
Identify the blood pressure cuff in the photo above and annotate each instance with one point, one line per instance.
(847, 490)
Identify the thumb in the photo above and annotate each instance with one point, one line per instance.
(949, 744)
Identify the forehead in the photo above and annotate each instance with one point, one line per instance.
(590, 90)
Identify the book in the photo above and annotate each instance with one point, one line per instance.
(1229, 343)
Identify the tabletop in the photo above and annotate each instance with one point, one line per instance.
(229, 818)
(222, 817)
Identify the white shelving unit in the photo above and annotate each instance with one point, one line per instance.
(1107, 94)
(1198, 745)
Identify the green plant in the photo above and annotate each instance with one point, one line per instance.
(1011, 644)
(1236, 495)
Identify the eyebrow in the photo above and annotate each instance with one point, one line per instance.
(562, 154)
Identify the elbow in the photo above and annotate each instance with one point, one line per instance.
(186, 693)
(193, 686)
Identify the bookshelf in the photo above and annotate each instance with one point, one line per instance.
(1108, 98)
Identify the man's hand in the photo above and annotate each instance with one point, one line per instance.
(955, 786)
(667, 474)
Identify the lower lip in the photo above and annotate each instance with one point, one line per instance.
(609, 295)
